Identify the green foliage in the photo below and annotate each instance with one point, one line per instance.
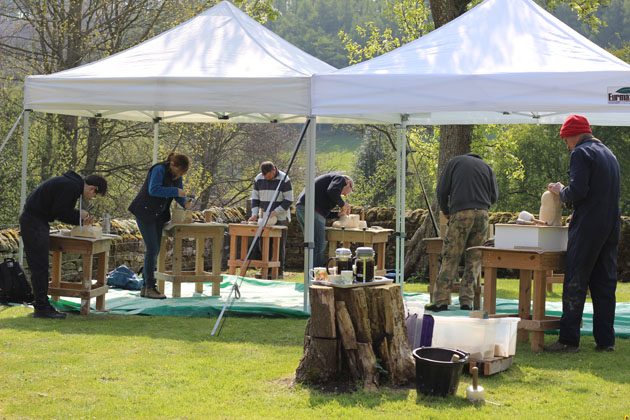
(313, 25)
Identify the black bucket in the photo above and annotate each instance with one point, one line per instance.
(435, 373)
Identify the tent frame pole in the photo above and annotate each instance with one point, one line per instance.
(401, 170)
(309, 209)
(27, 115)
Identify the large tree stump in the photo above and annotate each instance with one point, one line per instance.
(356, 334)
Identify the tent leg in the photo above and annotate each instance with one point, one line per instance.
(27, 114)
(401, 167)
(309, 209)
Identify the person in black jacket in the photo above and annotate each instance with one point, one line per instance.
(53, 199)
(151, 207)
(466, 189)
(594, 230)
(328, 191)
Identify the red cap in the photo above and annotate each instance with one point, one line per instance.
(574, 124)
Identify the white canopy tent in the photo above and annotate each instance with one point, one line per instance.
(221, 66)
(504, 62)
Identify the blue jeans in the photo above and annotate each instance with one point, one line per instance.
(319, 259)
(151, 230)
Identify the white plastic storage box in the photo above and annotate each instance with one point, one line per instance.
(472, 335)
(505, 342)
(546, 238)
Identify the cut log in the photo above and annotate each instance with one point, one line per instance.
(346, 330)
(367, 363)
(322, 312)
(319, 362)
(370, 327)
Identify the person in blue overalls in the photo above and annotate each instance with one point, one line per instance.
(591, 258)
(152, 210)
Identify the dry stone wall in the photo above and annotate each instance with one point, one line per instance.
(129, 249)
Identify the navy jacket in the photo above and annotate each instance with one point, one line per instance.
(467, 182)
(150, 206)
(328, 189)
(56, 199)
(593, 188)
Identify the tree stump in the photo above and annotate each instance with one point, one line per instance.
(356, 334)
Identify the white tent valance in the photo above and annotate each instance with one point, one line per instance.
(221, 65)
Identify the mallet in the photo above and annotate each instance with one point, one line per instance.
(474, 392)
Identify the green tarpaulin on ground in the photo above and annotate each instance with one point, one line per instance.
(286, 299)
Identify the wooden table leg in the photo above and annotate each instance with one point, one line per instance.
(177, 266)
(265, 258)
(86, 283)
(433, 273)
(161, 263)
(490, 290)
(199, 268)
(540, 297)
(332, 247)
(231, 268)
(380, 256)
(101, 276)
(275, 257)
(524, 302)
(217, 252)
(56, 273)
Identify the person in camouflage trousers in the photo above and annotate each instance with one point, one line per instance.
(466, 190)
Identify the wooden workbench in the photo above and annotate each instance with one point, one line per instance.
(531, 263)
(200, 232)
(243, 231)
(370, 237)
(88, 287)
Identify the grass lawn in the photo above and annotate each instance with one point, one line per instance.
(141, 367)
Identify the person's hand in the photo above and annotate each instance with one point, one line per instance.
(555, 187)
(252, 219)
(188, 204)
(181, 193)
(272, 214)
(345, 210)
(86, 219)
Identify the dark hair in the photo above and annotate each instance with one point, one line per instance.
(97, 181)
(179, 160)
(267, 167)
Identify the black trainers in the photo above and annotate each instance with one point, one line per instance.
(434, 307)
(559, 347)
(465, 307)
(48, 312)
(600, 347)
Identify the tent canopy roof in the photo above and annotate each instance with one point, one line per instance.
(505, 61)
(221, 62)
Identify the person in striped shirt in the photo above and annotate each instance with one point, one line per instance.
(265, 185)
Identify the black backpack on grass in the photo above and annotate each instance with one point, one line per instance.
(13, 285)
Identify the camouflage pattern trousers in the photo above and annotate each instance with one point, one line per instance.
(466, 228)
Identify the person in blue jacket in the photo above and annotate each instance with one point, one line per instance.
(54, 199)
(151, 207)
(594, 229)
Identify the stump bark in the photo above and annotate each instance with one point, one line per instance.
(356, 334)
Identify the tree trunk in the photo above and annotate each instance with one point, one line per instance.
(369, 329)
(94, 145)
(455, 140)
